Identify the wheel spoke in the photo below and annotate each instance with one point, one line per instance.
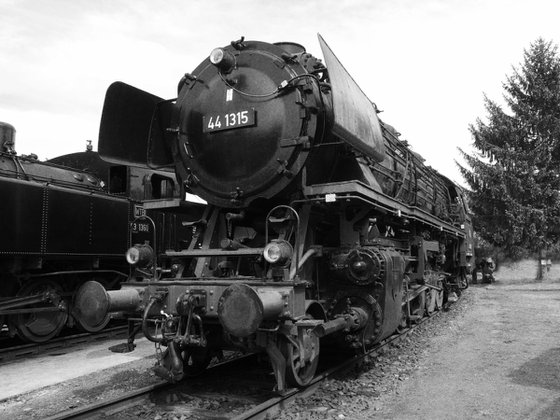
(39, 327)
(300, 369)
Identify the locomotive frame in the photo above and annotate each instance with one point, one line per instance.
(322, 226)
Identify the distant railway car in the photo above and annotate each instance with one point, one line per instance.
(320, 221)
(60, 227)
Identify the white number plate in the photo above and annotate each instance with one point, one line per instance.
(140, 227)
(227, 121)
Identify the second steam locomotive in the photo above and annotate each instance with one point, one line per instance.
(322, 227)
(64, 222)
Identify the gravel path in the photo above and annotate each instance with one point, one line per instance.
(495, 355)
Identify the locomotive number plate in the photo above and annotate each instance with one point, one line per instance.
(140, 227)
(229, 120)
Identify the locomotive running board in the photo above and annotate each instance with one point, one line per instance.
(354, 189)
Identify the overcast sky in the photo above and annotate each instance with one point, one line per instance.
(425, 63)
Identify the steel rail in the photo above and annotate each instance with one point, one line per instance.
(276, 404)
(129, 399)
(261, 411)
(111, 406)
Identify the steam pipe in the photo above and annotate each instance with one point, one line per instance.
(337, 324)
(304, 258)
(355, 319)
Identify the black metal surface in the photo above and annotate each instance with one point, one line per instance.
(21, 220)
(41, 218)
(125, 124)
(355, 117)
(87, 161)
(238, 163)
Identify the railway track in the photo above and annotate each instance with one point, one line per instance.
(15, 352)
(275, 405)
(245, 394)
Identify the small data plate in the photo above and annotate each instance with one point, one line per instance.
(228, 121)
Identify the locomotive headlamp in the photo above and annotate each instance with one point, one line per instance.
(140, 255)
(363, 266)
(222, 59)
(359, 266)
(278, 252)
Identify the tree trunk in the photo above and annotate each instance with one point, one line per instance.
(541, 269)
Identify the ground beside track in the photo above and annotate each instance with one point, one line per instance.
(497, 356)
(65, 364)
(57, 380)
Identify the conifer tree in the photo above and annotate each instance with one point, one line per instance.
(514, 174)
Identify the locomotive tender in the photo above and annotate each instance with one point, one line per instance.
(320, 221)
(60, 228)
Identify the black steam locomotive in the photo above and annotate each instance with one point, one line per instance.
(60, 228)
(320, 221)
